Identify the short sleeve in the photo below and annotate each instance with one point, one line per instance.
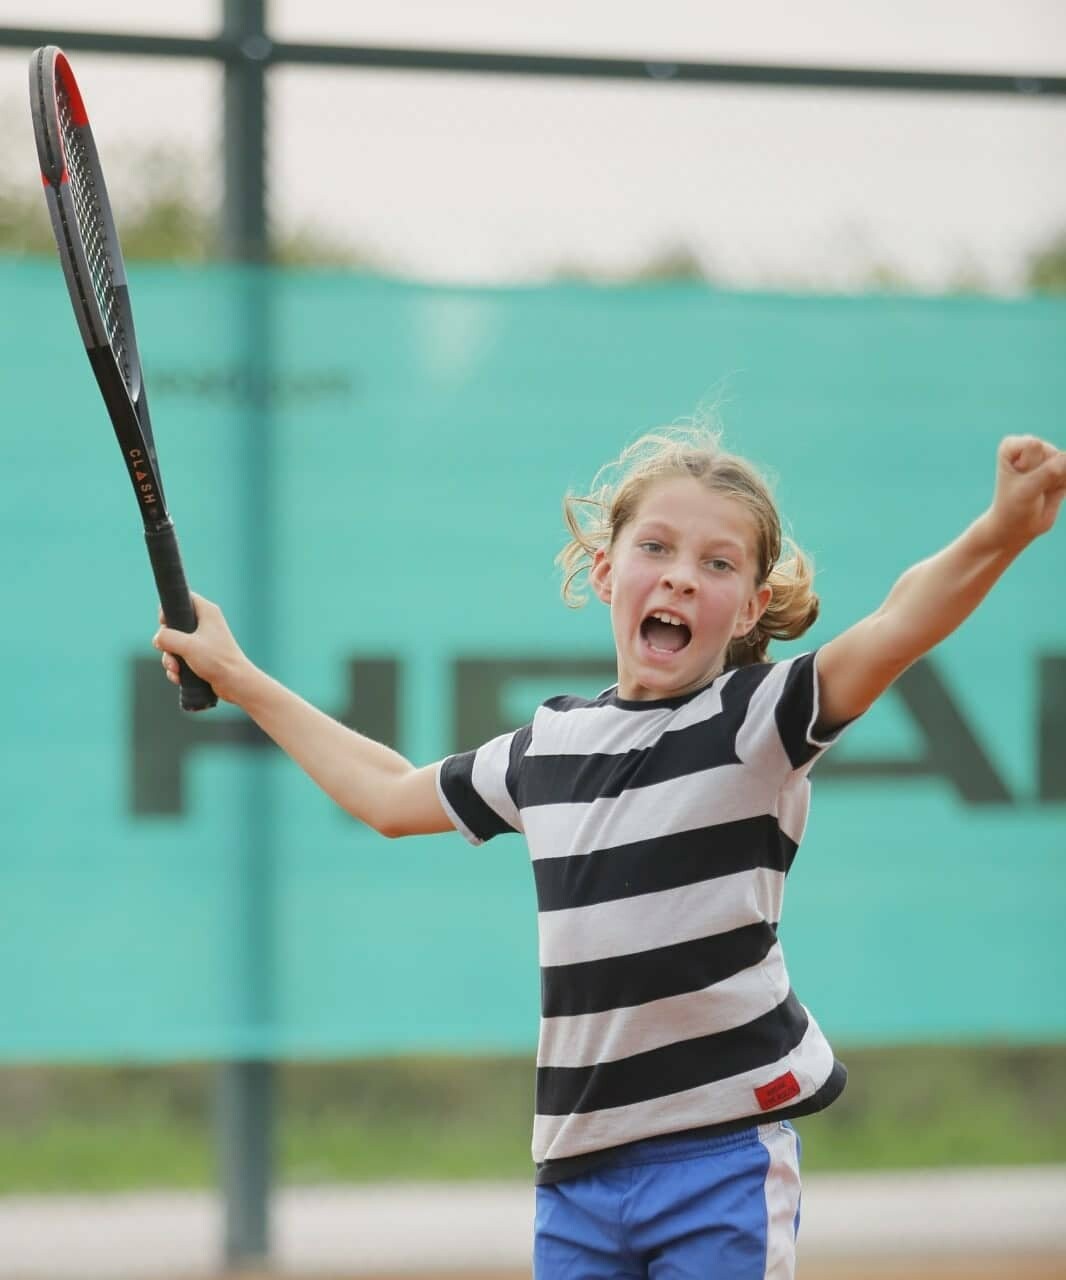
(797, 714)
(779, 730)
(479, 789)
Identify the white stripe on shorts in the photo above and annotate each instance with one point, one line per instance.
(782, 1199)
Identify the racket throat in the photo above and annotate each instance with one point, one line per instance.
(134, 435)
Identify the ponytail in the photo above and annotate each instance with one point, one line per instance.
(792, 610)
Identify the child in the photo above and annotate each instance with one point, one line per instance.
(662, 818)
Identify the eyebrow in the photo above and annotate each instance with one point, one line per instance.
(725, 542)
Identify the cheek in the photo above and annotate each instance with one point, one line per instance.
(726, 596)
(639, 586)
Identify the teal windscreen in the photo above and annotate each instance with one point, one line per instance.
(368, 475)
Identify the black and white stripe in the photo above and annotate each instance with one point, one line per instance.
(660, 834)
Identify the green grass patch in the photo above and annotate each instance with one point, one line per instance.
(120, 1128)
(912, 1108)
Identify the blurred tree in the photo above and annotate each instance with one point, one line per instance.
(164, 220)
(170, 219)
(886, 277)
(23, 223)
(674, 263)
(967, 276)
(1047, 266)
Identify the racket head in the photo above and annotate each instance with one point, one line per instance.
(92, 262)
(77, 199)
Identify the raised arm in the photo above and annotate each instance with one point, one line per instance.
(935, 596)
(371, 781)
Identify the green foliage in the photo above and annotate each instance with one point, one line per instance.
(23, 223)
(159, 219)
(112, 1128)
(674, 264)
(163, 220)
(942, 1106)
(166, 219)
(886, 277)
(1047, 267)
(307, 246)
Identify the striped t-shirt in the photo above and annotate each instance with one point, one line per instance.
(660, 834)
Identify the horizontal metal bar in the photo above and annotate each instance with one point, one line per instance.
(665, 71)
(118, 42)
(660, 71)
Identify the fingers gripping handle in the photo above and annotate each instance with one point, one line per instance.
(196, 694)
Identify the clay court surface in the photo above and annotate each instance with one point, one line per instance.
(959, 1268)
(987, 1224)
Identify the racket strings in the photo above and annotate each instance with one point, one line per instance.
(89, 216)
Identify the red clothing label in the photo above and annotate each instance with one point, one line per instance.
(777, 1092)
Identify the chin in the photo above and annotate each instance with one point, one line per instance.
(665, 684)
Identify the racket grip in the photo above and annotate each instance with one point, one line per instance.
(196, 694)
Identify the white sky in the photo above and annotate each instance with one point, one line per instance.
(489, 179)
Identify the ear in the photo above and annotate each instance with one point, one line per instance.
(600, 575)
(753, 610)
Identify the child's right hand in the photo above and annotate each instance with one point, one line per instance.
(1030, 489)
(210, 650)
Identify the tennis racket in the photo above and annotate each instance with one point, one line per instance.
(96, 278)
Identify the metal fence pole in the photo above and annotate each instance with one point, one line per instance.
(246, 1087)
(244, 217)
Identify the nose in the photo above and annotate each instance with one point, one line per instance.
(680, 578)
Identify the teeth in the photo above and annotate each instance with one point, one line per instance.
(665, 617)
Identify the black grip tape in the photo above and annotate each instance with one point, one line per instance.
(196, 694)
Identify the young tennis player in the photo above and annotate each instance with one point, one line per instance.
(662, 818)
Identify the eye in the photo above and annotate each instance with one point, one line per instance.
(720, 566)
(651, 546)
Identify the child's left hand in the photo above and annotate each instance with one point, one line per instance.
(1030, 487)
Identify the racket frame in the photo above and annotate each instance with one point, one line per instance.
(117, 367)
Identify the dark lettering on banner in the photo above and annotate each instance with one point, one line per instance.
(1051, 729)
(161, 740)
(952, 750)
(237, 385)
(480, 683)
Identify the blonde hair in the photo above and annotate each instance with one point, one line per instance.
(597, 518)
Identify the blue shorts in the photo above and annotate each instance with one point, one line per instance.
(677, 1208)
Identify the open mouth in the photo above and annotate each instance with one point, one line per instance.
(664, 633)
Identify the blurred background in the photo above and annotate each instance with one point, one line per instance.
(391, 306)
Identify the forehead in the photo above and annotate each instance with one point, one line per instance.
(687, 506)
